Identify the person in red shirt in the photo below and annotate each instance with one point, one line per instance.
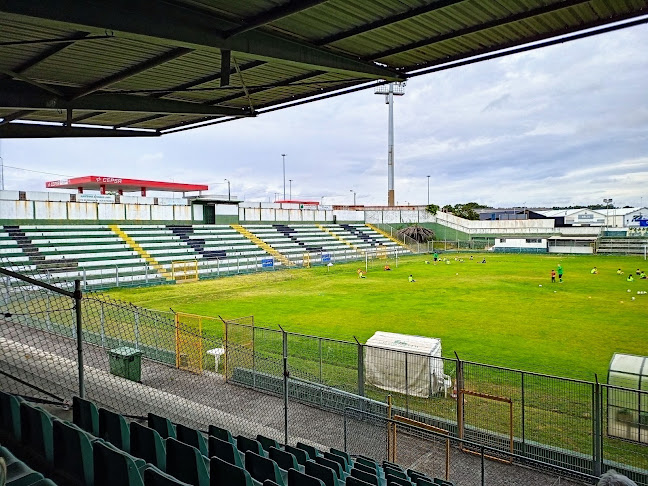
(553, 276)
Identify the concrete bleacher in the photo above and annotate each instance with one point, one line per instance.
(215, 248)
(622, 246)
(114, 255)
(341, 241)
(91, 253)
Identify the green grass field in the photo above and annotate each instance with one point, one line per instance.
(495, 313)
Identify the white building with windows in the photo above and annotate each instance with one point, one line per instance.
(577, 217)
(520, 245)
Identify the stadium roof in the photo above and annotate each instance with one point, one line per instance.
(145, 67)
(103, 184)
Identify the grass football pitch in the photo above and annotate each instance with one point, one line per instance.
(505, 312)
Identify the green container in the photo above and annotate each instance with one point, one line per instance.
(126, 362)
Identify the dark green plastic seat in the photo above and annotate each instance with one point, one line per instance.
(367, 462)
(326, 474)
(364, 476)
(154, 477)
(323, 461)
(424, 482)
(414, 475)
(396, 481)
(223, 473)
(340, 453)
(10, 415)
(18, 473)
(353, 481)
(73, 452)
(262, 468)
(312, 452)
(365, 468)
(114, 428)
(192, 437)
(222, 434)
(285, 460)
(162, 426)
(300, 454)
(397, 473)
(36, 430)
(267, 482)
(225, 451)
(267, 442)
(147, 444)
(42, 482)
(244, 444)
(86, 415)
(139, 462)
(337, 458)
(186, 463)
(113, 467)
(393, 465)
(296, 478)
(442, 482)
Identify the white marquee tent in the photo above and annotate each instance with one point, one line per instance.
(390, 358)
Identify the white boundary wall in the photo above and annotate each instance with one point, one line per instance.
(57, 206)
(519, 226)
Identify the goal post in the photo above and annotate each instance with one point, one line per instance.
(184, 270)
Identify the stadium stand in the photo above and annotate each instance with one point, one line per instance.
(114, 255)
(93, 253)
(622, 246)
(42, 445)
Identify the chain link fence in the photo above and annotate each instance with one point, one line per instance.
(196, 370)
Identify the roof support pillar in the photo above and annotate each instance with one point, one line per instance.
(226, 60)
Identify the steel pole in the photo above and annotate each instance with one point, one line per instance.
(284, 174)
(390, 148)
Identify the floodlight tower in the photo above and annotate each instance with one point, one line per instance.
(390, 90)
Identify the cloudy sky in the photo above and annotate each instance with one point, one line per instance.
(564, 125)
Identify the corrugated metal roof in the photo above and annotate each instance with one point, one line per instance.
(282, 50)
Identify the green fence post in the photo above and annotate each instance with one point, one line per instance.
(79, 334)
(361, 391)
(460, 385)
(597, 427)
(523, 418)
(285, 381)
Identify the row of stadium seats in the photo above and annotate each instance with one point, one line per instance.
(101, 447)
(108, 255)
(19, 473)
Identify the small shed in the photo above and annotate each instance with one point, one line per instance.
(405, 364)
(627, 406)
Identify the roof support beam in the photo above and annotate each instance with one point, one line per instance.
(15, 116)
(132, 71)
(184, 86)
(16, 95)
(31, 130)
(167, 24)
(285, 82)
(279, 12)
(525, 15)
(47, 53)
